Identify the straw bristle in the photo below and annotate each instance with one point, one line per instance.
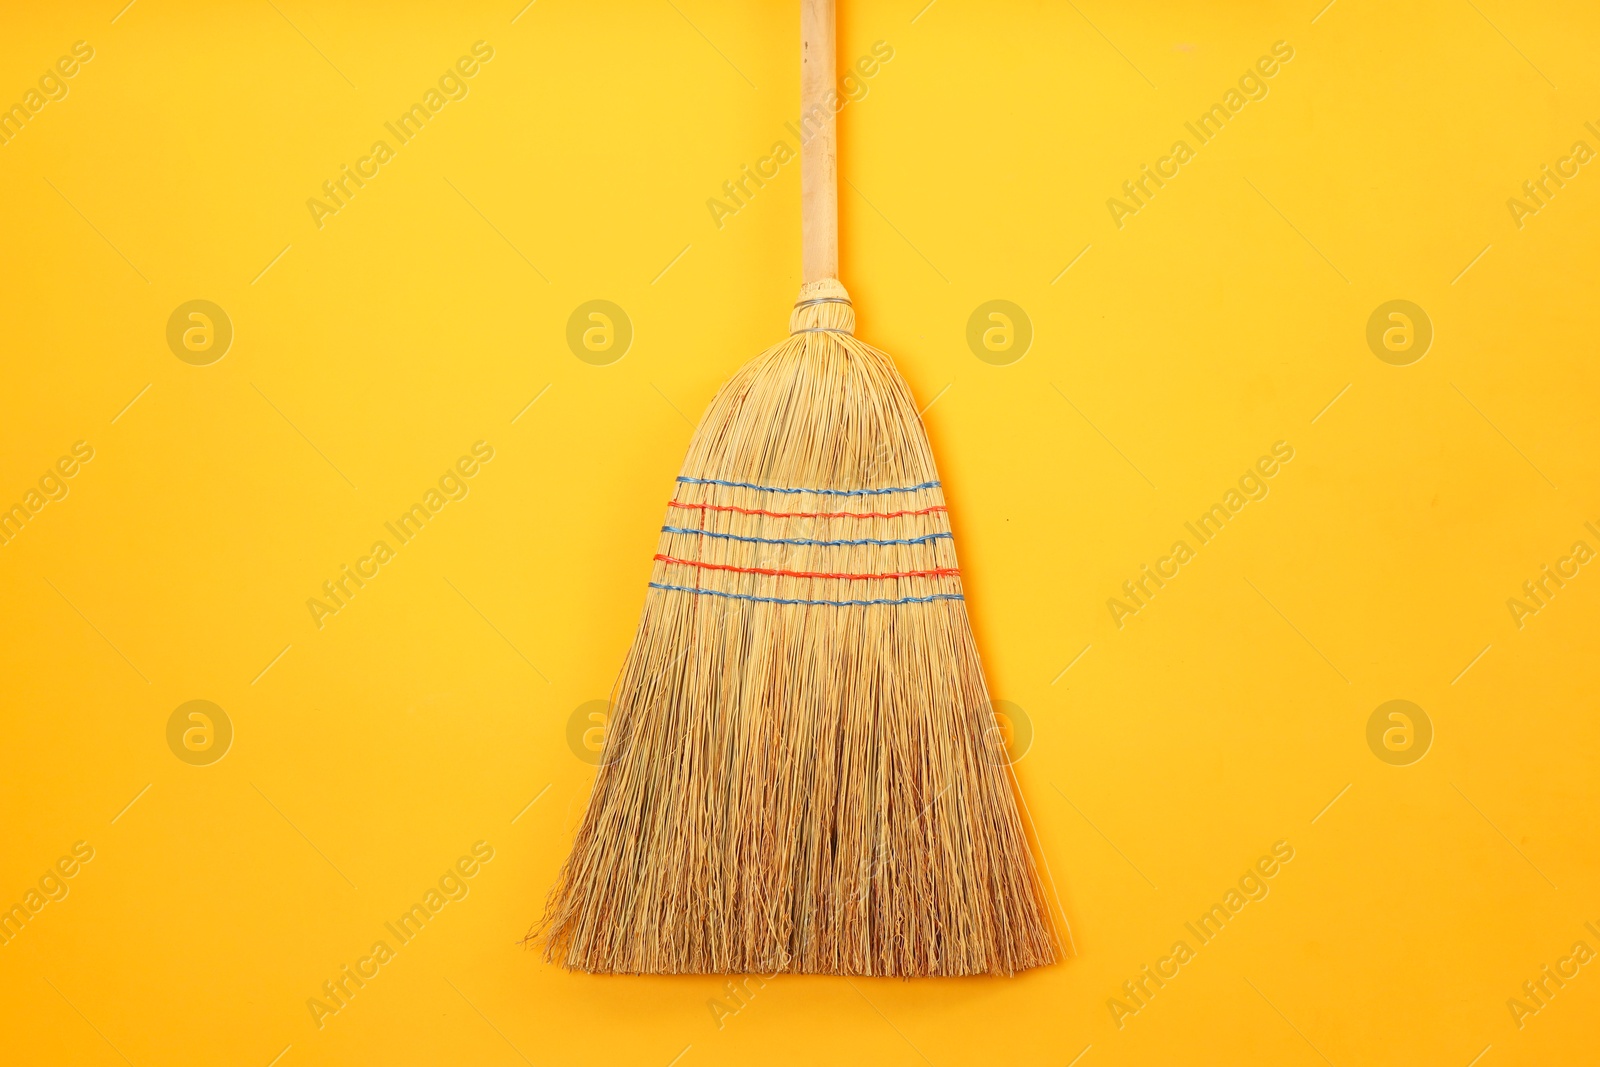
(802, 771)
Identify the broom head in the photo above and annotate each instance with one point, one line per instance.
(802, 771)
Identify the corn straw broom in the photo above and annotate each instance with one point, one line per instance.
(802, 771)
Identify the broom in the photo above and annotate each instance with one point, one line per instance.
(802, 771)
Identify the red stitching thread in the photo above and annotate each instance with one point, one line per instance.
(807, 514)
(937, 572)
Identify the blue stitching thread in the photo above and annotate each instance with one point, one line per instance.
(807, 540)
(825, 492)
(820, 603)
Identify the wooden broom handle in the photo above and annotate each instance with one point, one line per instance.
(819, 161)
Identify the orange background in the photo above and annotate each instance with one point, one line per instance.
(433, 710)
